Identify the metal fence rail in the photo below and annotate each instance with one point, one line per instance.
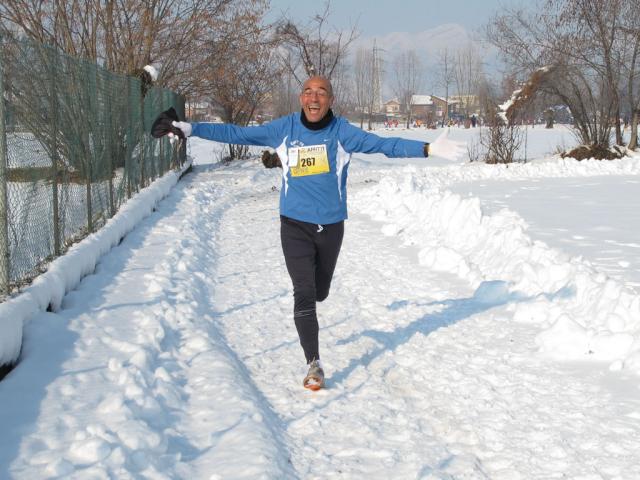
(74, 146)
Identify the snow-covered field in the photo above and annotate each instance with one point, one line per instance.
(465, 337)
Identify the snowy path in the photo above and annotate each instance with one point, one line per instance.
(407, 397)
(132, 378)
(178, 358)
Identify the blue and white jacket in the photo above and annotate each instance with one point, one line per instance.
(320, 196)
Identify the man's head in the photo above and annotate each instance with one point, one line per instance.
(316, 98)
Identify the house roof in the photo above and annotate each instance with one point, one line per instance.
(421, 100)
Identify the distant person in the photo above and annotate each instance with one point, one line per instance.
(315, 148)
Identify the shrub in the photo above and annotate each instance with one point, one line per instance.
(599, 152)
(271, 159)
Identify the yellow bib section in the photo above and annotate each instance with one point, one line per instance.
(311, 160)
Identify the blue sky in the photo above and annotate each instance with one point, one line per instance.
(379, 17)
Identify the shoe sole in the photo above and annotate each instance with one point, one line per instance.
(313, 383)
(313, 387)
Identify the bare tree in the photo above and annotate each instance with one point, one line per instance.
(363, 83)
(285, 94)
(445, 77)
(502, 137)
(242, 82)
(343, 91)
(599, 23)
(467, 76)
(317, 49)
(631, 66)
(408, 78)
(580, 43)
(124, 35)
(500, 142)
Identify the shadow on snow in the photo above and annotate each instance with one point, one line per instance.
(488, 295)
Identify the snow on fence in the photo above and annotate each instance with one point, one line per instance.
(74, 147)
(65, 273)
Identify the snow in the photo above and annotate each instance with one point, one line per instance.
(464, 336)
(504, 107)
(64, 274)
(573, 212)
(421, 100)
(152, 71)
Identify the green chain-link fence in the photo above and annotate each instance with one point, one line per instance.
(74, 146)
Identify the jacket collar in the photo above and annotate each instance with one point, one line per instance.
(319, 125)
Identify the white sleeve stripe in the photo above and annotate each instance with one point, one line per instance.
(342, 159)
(284, 160)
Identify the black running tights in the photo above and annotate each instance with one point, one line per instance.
(310, 252)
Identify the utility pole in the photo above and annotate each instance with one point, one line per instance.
(377, 97)
(375, 100)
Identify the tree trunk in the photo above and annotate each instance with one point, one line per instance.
(633, 141)
(619, 140)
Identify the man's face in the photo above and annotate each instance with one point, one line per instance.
(316, 98)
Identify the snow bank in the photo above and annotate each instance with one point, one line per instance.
(581, 312)
(550, 167)
(65, 273)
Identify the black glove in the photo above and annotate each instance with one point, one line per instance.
(163, 125)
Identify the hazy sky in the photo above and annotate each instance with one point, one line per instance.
(379, 17)
(424, 26)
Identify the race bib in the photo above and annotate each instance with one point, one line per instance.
(311, 160)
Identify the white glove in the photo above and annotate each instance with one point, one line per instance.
(443, 147)
(184, 126)
(173, 138)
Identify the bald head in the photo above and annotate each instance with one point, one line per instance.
(319, 80)
(316, 98)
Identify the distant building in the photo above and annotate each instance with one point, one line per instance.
(463, 106)
(422, 109)
(440, 106)
(428, 110)
(392, 107)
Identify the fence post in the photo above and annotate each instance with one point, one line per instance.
(131, 142)
(183, 149)
(53, 105)
(4, 204)
(143, 144)
(107, 90)
(90, 71)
